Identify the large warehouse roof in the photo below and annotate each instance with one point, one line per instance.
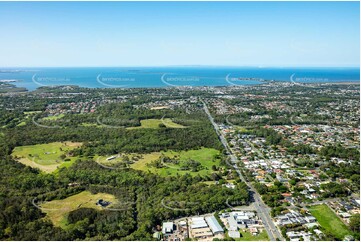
(214, 225)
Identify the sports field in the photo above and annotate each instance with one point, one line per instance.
(46, 157)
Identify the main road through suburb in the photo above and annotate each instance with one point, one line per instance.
(261, 207)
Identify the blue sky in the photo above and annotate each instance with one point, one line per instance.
(179, 33)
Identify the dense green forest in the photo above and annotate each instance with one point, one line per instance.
(142, 194)
(20, 220)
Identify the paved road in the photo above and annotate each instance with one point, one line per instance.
(262, 209)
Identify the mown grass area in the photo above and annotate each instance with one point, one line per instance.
(154, 124)
(46, 157)
(329, 221)
(247, 236)
(206, 156)
(58, 210)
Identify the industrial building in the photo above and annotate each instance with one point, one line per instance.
(214, 225)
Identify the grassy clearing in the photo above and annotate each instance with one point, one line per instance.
(170, 124)
(23, 123)
(241, 129)
(139, 160)
(31, 112)
(205, 156)
(329, 221)
(247, 236)
(58, 210)
(46, 157)
(90, 125)
(154, 124)
(55, 117)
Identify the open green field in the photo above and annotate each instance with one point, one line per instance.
(135, 158)
(241, 128)
(206, 156)
(55, 117)
(170, 124)
(57, 210)
(31, 112)
(247, 236)
(90, 125)
(329, 221)
(154, 124)
(46, 157)
(23, 123)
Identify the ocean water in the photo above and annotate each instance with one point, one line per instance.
(130, 77)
